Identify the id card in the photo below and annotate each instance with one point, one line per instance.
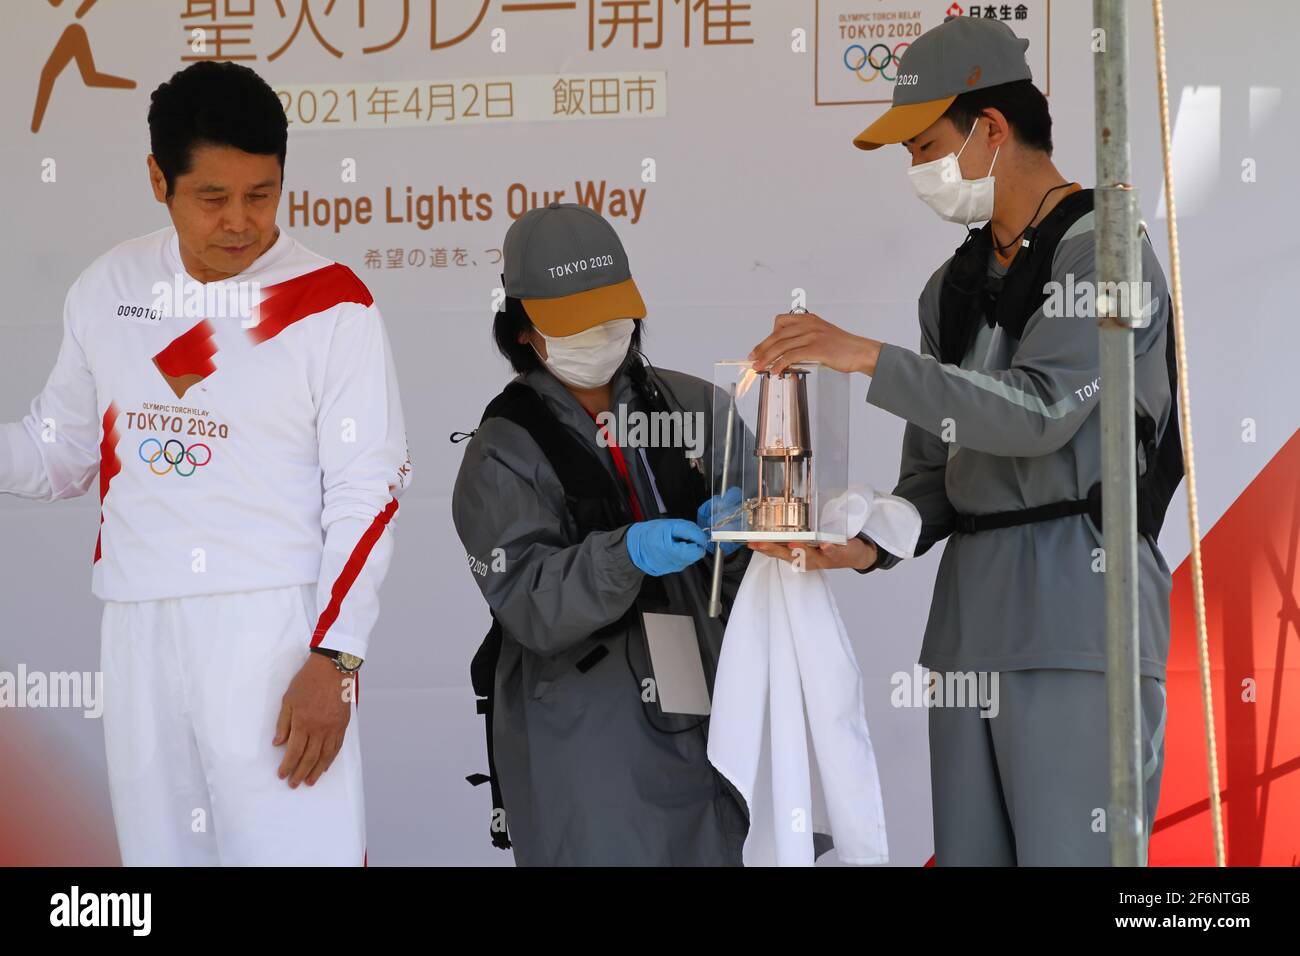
(675, 660)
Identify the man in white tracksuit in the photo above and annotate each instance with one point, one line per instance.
(236, 395)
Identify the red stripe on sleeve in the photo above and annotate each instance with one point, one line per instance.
(109, 466)
(356, 561)
(286, 302)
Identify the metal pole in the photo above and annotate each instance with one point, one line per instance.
(1118, 260)
(715, 585)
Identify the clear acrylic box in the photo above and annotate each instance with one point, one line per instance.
(791, 491)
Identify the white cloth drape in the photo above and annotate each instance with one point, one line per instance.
(788, 726)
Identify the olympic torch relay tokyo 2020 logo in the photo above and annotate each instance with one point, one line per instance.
(178, 440)
(859, 44)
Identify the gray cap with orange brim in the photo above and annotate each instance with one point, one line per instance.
(959, 55)
(567, 265)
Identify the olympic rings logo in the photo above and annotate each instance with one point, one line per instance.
(176, 459)
(877, 61)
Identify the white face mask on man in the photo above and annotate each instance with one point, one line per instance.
(940, 185)
(589, 359)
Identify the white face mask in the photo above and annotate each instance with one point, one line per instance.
(940, 185)
(589, 358)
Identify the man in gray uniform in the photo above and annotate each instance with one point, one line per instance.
(579, 546)
(1001, 450)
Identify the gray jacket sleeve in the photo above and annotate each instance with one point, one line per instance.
(922, 470)
(1032, 408)
(509, 511)
(921, 477)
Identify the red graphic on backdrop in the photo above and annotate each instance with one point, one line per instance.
(286, 302)
(1252, 617)
(188, 360)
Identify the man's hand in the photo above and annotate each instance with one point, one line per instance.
(805, 337)
(314, 715)
(855, 553)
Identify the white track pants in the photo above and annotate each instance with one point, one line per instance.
(192, 690)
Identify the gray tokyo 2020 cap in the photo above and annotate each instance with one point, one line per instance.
(567, 265)
(959, 55)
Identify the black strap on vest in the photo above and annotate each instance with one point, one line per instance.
(970, 296)
(482, 673)
(595, 502)
(970, 524)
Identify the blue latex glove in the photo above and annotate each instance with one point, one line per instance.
(720, 507)
(665, 545)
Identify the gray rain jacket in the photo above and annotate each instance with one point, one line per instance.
(1025, 427)
(588, 772)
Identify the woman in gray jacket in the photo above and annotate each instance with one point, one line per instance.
(582, 539)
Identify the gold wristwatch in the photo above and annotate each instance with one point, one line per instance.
(346, 663)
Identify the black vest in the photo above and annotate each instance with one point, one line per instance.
(970, 296)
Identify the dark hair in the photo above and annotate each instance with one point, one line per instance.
(214, 104)
(508, 323)
(1024, 106)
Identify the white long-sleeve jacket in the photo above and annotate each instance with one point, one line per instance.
(247, 434)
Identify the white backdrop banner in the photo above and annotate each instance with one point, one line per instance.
(716, 137)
